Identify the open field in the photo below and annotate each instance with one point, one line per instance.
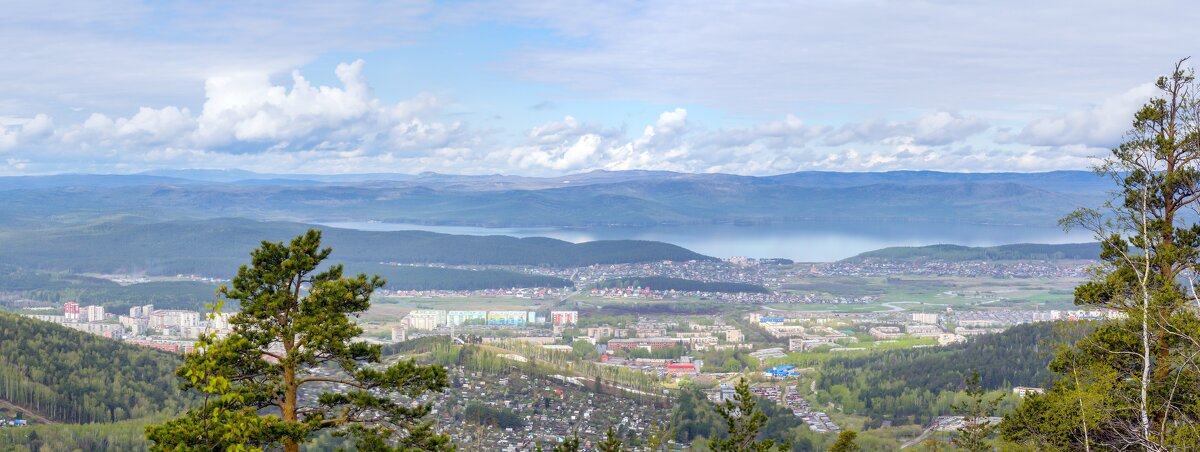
(893, 293)
(935, 293)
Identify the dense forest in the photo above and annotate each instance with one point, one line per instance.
(122, 436)
(687, 285)
(74, 377)
(912, 385)
(60, 287)
(217, 247)
(193, 295)
(695, 417)
(1020, 251)
(406, 277)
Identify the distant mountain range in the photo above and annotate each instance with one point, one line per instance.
(599, 198)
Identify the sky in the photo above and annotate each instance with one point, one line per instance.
(548, 88)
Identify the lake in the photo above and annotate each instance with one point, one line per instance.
(813, 241)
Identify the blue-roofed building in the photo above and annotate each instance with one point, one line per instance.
(782, 372)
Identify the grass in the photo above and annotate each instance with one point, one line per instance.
(815, 358)
(910, 293)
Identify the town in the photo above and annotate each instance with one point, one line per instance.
(533, 366)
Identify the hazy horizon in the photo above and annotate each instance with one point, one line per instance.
(534, 89)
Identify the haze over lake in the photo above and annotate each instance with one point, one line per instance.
(802, 242)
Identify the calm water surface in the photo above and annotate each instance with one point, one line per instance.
(803, 242)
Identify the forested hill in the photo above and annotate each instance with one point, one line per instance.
(1020, 251)
(217, 247)
(69, 376)
(913, 385)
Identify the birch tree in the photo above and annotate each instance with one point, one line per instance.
(1132, 383)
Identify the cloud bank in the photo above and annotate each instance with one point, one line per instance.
(247, 121)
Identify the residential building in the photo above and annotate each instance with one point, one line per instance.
(1026, 390)
(925, 317)
(425, 319)
(173, 318)
(650, 332)
(507, 318)
(460, 318)
(560, 318)
(600, 332)
(923, 330)
(647, 342)
(71, 311)
(93, 314)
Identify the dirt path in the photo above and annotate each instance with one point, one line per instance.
(28, 414)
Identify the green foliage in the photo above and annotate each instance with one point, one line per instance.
(71, 376)
(498, 417)
(1131, 383)
(568, 445)
(686, 285)
(436, 278)
(694, 416)
(659, 436)
(122, 436)
(744, 422)
(912, 386)
(1015, 252)
(293, 322)
(60, 287)
(611, 442)
(976, 432)
(213, 247)
(846, 442)
(727, 360)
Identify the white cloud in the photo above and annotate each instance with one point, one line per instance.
(249, 122)
(246, 113)
(248, 107)
(24, 131)
(1100, 125)
(121, 54)
(934, 128)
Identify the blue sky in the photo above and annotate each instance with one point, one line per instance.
(543, 88)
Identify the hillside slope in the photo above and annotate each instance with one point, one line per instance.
(69, 376)
(913, 385)
(217, 247)
(1019, 251)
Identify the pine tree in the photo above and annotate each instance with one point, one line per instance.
(976, 431)
(569, 445)
(744, 421)
(1132, 382)
(611, 442)
(846, 442)
(293, 321)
